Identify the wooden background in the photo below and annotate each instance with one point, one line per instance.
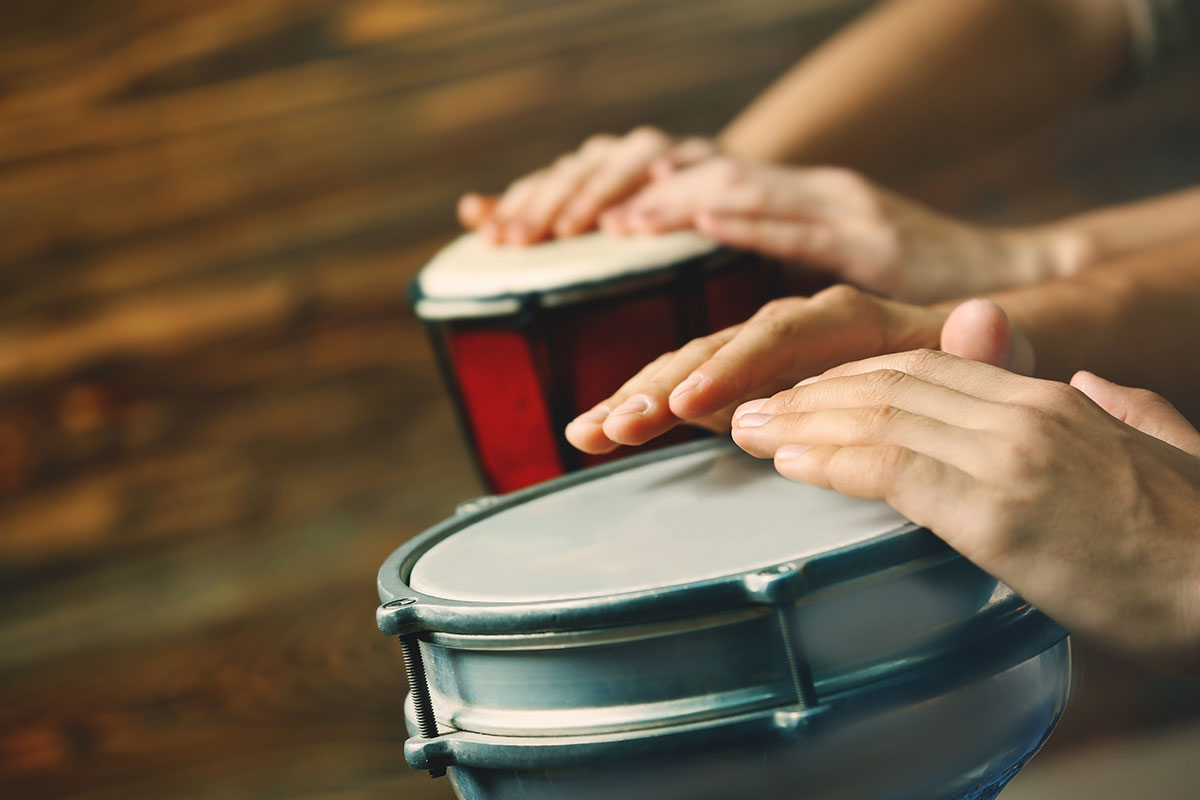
(217, 417)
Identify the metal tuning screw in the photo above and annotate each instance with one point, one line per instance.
(806, 692)
(418, 684)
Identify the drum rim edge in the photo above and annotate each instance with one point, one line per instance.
(509, 304)
(404, 610)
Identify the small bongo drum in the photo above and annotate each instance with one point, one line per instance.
(529, 337)
(688, 624)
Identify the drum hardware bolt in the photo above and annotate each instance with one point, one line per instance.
(418, 684)
(399, 602)
(806, 693)
(476, 504)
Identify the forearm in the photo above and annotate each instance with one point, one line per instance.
(919, 82)
(1135, 321)
(1124, 230)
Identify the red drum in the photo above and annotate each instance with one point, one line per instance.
(527, 338)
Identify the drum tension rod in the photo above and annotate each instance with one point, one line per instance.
(418, 685)
(806, 692)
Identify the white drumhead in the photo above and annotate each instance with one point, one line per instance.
(685, 518)
(472, 277)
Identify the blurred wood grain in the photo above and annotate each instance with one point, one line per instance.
(216, 415)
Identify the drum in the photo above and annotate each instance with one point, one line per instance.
(527, 338)
(688, 624)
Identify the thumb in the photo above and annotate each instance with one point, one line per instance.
(1148, 412)
(980, 330)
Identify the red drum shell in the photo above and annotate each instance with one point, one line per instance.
(520, 376)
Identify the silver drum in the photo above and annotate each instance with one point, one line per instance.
(688, 624)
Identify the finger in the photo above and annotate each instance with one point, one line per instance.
(784, 341)
(876, 390)
(672, 202)
(979, 330)
(1150, 413)
(645, 411)
(502, 226)
(813, 243)
(620, 176)
(475, 209)
(763, 434)
(542, 209)
(639, 409)
(920, 487)
(974, 378)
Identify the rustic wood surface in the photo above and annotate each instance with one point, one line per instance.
(217, 417)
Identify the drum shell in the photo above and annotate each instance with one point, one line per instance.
(962, 742)
(903, 661)
(720, 665)
(519, 376)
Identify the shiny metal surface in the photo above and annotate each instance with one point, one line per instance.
(963, 740)
(895, 658)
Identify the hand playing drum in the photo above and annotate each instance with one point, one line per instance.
(1084, 498)
(824, 218)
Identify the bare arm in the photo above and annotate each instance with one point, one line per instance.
(931, 80)
(1135, 320)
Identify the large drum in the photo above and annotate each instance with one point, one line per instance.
(688, 624)
(529, 337)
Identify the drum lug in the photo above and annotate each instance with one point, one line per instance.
(398, 617)
(782, 583)
(433, 755)
(476, 504)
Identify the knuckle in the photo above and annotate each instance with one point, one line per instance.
(923, 362)
(891, 460)
(700, 347)
(647, 134)
(598, 141)
(880, 385)
(779, 316)
(875, 421)
(842, 294)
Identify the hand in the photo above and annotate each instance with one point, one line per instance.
(837, 220)
(568, 197)
(1093, 519)
(786, 341)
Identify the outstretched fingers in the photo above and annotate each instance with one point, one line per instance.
(639, 410)
(921, 487)
(763, 435)
(784, 341)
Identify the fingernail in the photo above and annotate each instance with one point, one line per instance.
(491, 232)
(638, 404)
(597, 415)
(753, 420)
(790, 452)
(749, 407)
(807, 381)
(692, 383)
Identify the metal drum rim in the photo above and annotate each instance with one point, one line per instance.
(405, 610)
